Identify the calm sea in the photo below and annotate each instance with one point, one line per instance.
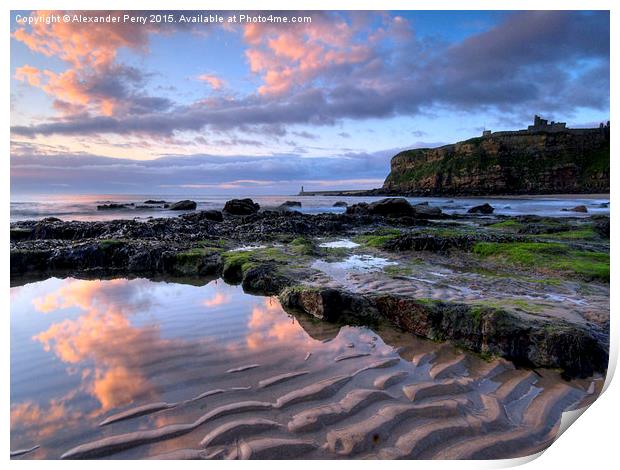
(84, 207)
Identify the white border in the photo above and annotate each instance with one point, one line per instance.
(592, 442)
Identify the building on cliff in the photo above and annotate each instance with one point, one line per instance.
(543, 125)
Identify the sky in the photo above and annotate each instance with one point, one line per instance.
(259, 107)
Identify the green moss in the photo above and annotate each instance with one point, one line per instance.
(303, 246)
(512, 225)
(270, 254)
(579, 234)
(398, 270)
(237, 260)
(190, 260)
(447, 232)
(527, 253)
(586, 264)
(195, 252)
(428, 302)
(110, 243)
(378, 238)
(219, 243)
(527, 306)
(476, 314)
(520, 304)
(554, 256)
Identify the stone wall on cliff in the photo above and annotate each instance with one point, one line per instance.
(575, 161)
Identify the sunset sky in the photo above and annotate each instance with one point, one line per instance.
(264, 108)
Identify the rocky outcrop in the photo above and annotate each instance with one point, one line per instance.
(329, 304)
(241, 207)
(521, 162)
(394, 207)
(487, 330)
(185, 205)
(581, 208)
(485, 208)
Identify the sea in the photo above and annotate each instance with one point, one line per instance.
(84, 207)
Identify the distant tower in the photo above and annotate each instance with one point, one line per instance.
(301, 193)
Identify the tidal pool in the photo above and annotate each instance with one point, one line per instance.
(171, 370)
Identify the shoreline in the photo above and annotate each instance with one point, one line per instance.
(378, 193)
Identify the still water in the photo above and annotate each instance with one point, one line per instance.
(238, 377)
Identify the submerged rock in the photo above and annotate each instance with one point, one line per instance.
(485, 208)
(340, 204)
(241, 207)
(114, 206)
(580, 208)
(185, 205)
(152, 201)
(291, 204)
(424, 210)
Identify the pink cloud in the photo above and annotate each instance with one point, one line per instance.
(213, 80)
(287, 58)
(82, 44)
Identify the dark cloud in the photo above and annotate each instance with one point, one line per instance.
(35, 169)
(545, 62)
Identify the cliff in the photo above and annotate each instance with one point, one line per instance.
(519, 162)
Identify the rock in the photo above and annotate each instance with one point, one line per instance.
(534, 342)
(291, 204)
(358, 209)
(537, 342)
(20, 234)
(328, 304)
(184, 205)
(397, 206)
(340, 204)
(485, 208)
(114, 206)
(579, 209)
(151, 201)
(212, 214)
(264, 279)
(424, 210)
(601, 225)
(391, 207)
(241, 207)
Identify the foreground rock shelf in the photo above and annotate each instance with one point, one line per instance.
(530, 289)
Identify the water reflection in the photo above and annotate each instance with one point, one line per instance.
(115, 343)
(84, 351)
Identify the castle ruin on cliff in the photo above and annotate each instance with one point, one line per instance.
(543, 125)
